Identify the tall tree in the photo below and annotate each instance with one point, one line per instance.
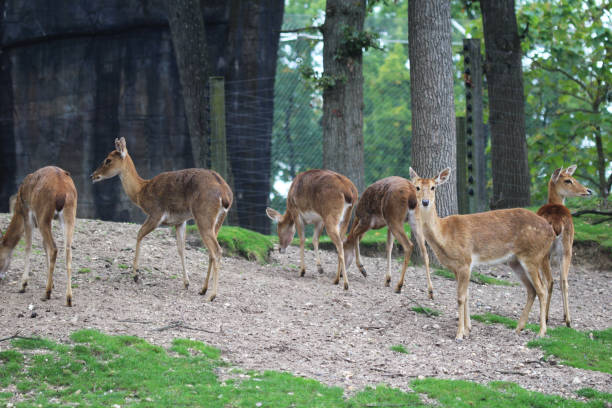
(343, 42)
(189, 40)
(431, 95)
(506, 105)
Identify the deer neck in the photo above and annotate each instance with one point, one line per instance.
(130, 180)
(13, 232)
(553, 196)
(432, 225)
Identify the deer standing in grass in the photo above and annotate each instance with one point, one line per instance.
(323, 198)
(388, 202)
(172, 198)
(517, 236)
(560, 186)
(43, 194)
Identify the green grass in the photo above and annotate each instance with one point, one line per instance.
(476, 277)
(426, 311)
(84, 270)
(574, 348)
(398, 348)
(243, 242)
(372, 238)
(102, 370)
(123, 266)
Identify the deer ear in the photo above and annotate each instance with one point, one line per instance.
(555, 176)
(444, 176)
(121, 147)
(413, 174)
(571, 169)
(273, 214)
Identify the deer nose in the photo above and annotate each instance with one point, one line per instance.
(589, 191)
(425, 203)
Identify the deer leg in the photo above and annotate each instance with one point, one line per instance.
(149, 225)
(180, 245)
(408, 246)
(335, 237)
(463, 279)
(534, 272)
(388, 250)
(357, 231)
(549, 281)
(418, 234)
(299, 225)
(28, 251)
(315, 243)
(50, 250)
(214, 256)
(519, 270)
(565, 266)
(68, 225)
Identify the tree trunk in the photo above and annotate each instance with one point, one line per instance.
(506, 105)
(431, 94)
(244, 38)
(189, 40)
(343, 101)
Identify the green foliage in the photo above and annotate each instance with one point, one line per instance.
(242, 242)
(426, 311)
(398, 348)
(354, 42)
(84, 270)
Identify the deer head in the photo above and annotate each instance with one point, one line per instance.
(285, 228)
(426, 188)
(565, 185)
(113, 164)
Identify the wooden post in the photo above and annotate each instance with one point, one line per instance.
(475, 138)
(462, 191)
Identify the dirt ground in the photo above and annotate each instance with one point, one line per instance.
(266, 317)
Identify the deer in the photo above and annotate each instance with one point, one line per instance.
(43, 194)
(323, 198)
(560, 186)
(171, 199)
(388, 202)
(515, 236)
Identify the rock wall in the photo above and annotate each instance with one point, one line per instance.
(72, 79)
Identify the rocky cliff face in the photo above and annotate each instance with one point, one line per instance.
(75, 77)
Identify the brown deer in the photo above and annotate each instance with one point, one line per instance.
(322, 198)
(560, 186)
(517, 236)
(172, 198)
(43, 194)
(388, 202)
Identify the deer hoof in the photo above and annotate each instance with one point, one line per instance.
(48, 295)
(135, 278)
(69, 301)
(320, 269)
(388, 281)
(23, 287)
(398, 289)
(302, 272)
(430, 292)
(203, 291)
(186, 284)
(345, 286)
(211, 298)
(363, 271)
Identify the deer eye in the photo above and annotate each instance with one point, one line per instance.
(433, 188)
(107, 161)
(568, 181)
(418, 188)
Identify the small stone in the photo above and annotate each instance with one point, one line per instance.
(30, 307)
(421, 377)
(33, 315)
(576, 380)
(436, 326)
(259, 404)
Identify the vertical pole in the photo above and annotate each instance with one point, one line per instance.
(462, 191)
(218, 150)
(475, 138)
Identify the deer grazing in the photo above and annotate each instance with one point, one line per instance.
(43, 194)
(172, 198)
(388, 202)
(322, 198)
(560, 186)
(517, 236)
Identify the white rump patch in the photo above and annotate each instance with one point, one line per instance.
(310, 217)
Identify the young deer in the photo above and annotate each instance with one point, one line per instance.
(322, 198)
(516, 236)
(388, 202)
(560, 186)
(173, 198)
(43, 194)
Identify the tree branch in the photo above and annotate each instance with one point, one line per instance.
(582, 212)
(299, 30)
(565, 74)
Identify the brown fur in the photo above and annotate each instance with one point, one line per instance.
(317, 197)
(42, 194)
(387, 202)
(173, 198)
(560, 186)
(516, 236)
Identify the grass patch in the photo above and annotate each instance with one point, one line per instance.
(398, 348)
(103, 370)
(243, 242)
(426, 311)
(372, 238)
(123, 266)
(475, 277)
(84, 270)
(455, 393)
(592, 394)
(444, 273)
(574, 348)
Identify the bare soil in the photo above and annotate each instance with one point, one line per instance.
(266, 317)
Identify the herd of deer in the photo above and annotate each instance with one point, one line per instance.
(521, 238)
